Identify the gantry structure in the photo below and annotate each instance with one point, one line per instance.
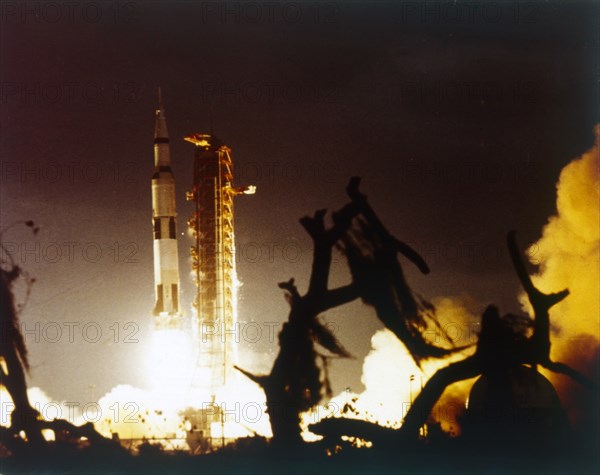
(213, 258)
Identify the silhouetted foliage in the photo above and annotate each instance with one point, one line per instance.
(295, 384)
(501, 347)
(372, 253)
(505, 344)
(13, 352)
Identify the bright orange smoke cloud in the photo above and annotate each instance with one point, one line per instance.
(569, 257)
(568, 251)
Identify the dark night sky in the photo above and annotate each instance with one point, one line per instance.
(459, 127)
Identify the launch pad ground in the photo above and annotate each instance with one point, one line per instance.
(255, 455)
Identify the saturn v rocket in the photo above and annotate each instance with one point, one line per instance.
(166, 261)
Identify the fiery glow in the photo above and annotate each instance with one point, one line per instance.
(568, 254)
(170, 363)
(180, 384)
(235, 287)
(135, 413)
(48, 409)
(392, 379)
(177, 385)
(568, 251)
(569, 257)
(243, 403)
(6, 407)
(391, 388)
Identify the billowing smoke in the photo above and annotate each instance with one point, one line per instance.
(392, 379)
(568, 251)
(159, 412)
(568, 254)
(176, 388)
(47, 408)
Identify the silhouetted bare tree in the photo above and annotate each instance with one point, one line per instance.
(294, 384)
(372, 254)
(13, 352)
(499, 348)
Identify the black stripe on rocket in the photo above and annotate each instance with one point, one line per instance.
(160, 170)
(159, 226)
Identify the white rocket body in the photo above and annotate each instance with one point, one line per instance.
(164, 217)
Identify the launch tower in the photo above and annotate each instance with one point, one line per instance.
(213, 257)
